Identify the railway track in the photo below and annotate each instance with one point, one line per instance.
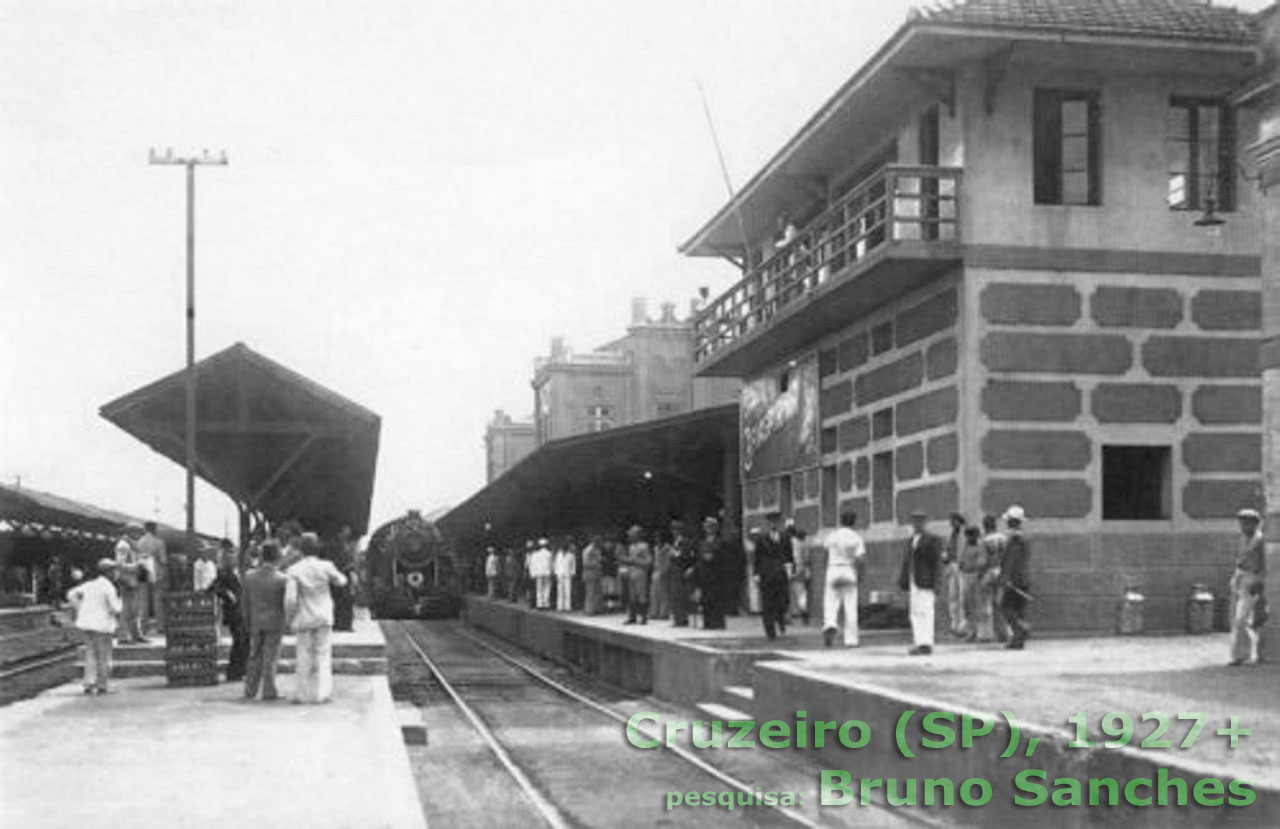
(554, 746)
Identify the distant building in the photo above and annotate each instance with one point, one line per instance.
(506, 441)
(1013, 260)
(645, 375)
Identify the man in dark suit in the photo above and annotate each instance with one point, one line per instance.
(921, 559)
(772, 553)
(264, 588)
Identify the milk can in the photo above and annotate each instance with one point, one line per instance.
(1200, 609)
(1131, 610)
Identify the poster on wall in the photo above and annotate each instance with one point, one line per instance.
(779, 421)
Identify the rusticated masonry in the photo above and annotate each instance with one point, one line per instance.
(1038, 449)
(1200, 357)
(940, 359)
(1043, 498)
(1134, 403)
(1227, 310)
(854, 433)
(1057, 353)
(845, 474)
(936, 500)
(1015, 400)
(886, 381)
(935, 408)
(943, 454)
(1023, 304)
(862, 472)
(1227, 404)
(1219, 499)
(1136, 307)
(853, 352)
(836, 400)
(909, 461)
(1223, 452)
(935, 314)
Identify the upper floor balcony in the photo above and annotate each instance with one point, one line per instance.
(894, 231)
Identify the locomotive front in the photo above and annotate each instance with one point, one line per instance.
(412, 570)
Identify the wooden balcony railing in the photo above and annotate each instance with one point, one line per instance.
(896, 204)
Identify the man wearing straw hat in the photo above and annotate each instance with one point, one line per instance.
(1013, 578)
(1247, 590)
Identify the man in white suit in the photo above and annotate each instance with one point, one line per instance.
(98, 607)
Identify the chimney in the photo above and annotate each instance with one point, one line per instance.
(558, 350)
(639, 310)
(668, 312)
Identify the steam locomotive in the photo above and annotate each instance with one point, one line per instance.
(412, 571)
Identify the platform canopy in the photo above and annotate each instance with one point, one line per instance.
(684, 466)
(32, 512)
(278, 444)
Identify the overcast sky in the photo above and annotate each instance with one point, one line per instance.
(421, 194)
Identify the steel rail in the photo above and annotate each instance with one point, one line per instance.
(545, 808)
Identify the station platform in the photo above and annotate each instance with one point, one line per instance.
(146, 755)
(738, 673)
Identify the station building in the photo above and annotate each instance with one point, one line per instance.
(1014, 259)
(506, 442)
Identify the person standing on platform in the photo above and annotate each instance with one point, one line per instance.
(290, 537)
(204, 571)
(772, 555)
(639, 560)
(951, 574)
(715, 573)
(975, 564)
(994, 541)
(264, 589)
(97, 606)
(660, 589)
(592, 577)
(309, 609)
(846, 554)
(921, 562)
(153, 556)
(1013, 578)
(801, 571)
(683, 567)
(230, 592)
(542, 570)
(1248, 585)
(131, 577)
(566, 567)
(492, 571)
(511, 576)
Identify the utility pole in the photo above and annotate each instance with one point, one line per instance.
(190, 162)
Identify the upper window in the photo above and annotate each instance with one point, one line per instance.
(1067, 147)
(599, 418)
(1200, 148)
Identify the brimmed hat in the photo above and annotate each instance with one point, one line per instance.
(105, 564)
(919, 513)
(1015, 513)
(1251, 514)
(542, 542)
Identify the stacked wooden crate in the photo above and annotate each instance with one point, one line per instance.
(191, 639)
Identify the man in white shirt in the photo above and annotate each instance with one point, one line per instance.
(204, 571)
(492, 571)
(540, 569)
(845, 553)
(97, 606)
(566, 567)
(309, 607)
(132, 579)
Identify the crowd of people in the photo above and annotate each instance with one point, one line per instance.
(289, 580)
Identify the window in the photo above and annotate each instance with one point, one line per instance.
(1200, 149)
(784, 381)
(882, 487)
(599, 418)
(1136, 483)
(1067, 147)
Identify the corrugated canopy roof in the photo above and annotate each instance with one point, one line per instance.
(269, 438)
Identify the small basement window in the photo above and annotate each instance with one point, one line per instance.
(1136, 483)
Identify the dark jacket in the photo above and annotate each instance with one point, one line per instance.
(229, 590)
(771, 557)
(923, 562)
(264, 599)
(1017, 554)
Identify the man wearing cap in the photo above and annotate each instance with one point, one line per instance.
(1013, 578)
(155, 560)
(97, 605)
(683, 562)
(566, 567)
(492, 571)
(1247, 585)
(772, 553)
(921, 560)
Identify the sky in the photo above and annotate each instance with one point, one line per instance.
(420, 195)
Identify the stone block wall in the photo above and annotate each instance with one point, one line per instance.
(1066, 363)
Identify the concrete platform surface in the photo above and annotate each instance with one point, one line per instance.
(146, 756)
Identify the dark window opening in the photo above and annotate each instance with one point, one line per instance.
(830, 439)
(882, 423)
(882, 338)
(1136, 483)
(1200, 146)
(1067, 147)
(830, 496)
(882, 487)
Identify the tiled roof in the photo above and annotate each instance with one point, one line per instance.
(1159, 19)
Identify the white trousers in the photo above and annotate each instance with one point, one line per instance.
(314, 679)
(564, 592)
(922, 615)
(955, 601)
(544, 591)
(841, 589)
